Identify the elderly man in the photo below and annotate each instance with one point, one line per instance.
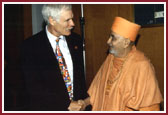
(126, 81)
(52, 62)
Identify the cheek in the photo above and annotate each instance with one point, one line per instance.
(110, 44)
(65, 25)
(62, 25)
(114, 43)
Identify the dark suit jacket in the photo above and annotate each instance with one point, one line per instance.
(45, 86)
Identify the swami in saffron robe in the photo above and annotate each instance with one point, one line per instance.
(123, 83)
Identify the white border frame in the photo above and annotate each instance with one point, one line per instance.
(83, 3)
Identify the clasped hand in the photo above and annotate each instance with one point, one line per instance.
(77, 106)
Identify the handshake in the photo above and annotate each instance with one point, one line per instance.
(79, 105)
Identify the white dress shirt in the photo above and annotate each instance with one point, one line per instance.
(64, 50)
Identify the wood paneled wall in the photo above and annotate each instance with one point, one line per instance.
(76, 8)
(98, 21)
(151, 42)
(17, 26)
(27, 20)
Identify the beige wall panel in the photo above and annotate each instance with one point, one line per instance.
(77, 14)
(151, 42)
(98, 21)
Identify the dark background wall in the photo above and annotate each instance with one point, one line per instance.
(16, 28)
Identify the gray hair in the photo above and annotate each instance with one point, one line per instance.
(54, 10)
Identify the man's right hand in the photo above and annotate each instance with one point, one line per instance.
(74, 106)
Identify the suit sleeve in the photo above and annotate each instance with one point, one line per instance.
(29, 68)
(31, 73)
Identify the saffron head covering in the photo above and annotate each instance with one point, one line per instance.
(125, 28)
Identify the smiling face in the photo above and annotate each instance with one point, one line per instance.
(64, 25)
(116, 43)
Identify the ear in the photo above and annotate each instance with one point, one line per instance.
(51, 21)
(126, 42)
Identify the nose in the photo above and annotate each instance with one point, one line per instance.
(72, 23)
(109, 41)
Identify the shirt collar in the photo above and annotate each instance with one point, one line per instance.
(51, 37)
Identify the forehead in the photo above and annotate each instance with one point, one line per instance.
(117, 35)
(66, 14)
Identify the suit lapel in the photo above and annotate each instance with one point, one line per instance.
(47, 53)
(48, 49)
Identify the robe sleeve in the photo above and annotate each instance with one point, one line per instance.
(93, 89)
(145, 91)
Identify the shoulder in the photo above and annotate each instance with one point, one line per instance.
(74, 40)
(138, 61)
(139, 57)
(35, 39)
(74, 37)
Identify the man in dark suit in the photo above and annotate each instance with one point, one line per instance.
(44, 81)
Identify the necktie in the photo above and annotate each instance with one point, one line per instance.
(64, 70)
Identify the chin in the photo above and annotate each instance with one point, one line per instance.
(112, 52)
(68, 33)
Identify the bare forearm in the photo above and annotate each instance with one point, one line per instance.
(87, 101)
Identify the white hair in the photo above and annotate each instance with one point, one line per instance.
(54, 10)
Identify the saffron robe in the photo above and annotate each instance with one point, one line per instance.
(132, 85)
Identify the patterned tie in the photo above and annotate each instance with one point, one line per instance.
(64, 70)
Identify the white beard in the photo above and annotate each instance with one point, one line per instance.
(114, 52)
